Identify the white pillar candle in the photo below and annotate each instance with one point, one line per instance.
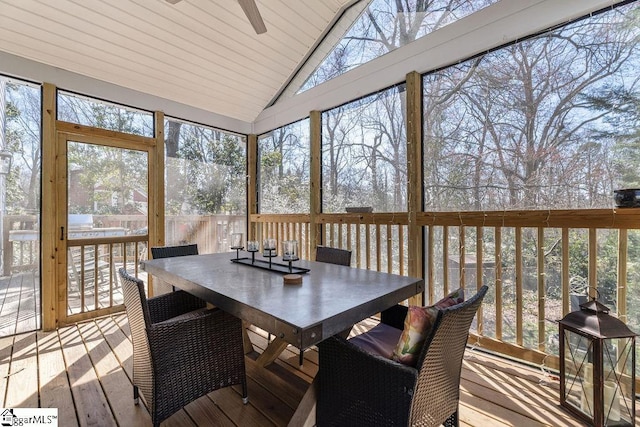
(588, 372)
(586, 403)
(611, 401)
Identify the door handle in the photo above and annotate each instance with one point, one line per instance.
(61, 233)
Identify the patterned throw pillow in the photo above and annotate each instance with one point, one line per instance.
(418, 325)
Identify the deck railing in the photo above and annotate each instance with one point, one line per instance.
(92, 265)
(539, 264)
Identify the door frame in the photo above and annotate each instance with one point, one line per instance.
(54, 201)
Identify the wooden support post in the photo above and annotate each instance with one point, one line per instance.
(252, 185)
(156, 190)
(315, 186)
(49, 208)
(414, 172)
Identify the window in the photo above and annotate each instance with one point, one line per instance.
(381, 27)
(283, 163)
(205, 186)
(546, 123)
(87, 111)
(364, 159)
(20, 175)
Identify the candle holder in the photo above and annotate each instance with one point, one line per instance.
(290, 252)
(269, 249)
(253, 246)
(236, 243)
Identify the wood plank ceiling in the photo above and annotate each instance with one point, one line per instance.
(202, 53)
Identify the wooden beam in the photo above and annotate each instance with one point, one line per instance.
(49, 209)
(414, 172)
(315, 184)
(60, 226)
(156, 216)
(252, 185)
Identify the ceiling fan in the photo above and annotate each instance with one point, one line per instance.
(250, 9)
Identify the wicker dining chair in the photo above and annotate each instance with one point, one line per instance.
(356, 387)
(173, 251)
(330, 256)
(181, 350)
(333, 255)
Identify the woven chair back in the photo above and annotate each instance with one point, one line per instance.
(173, 251)
(438, 388)
(135, 303)
(333, 255)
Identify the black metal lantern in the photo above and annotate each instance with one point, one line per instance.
(597, 366)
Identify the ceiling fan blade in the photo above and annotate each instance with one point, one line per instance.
(173, 1)
(253, 14)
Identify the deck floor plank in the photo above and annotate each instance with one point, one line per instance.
(54, 383)
(22, 387)
(6, 348)
(10, 308)
(116, 384)
(230, 403)
(91, 403)
(28, 305)
(204, 412)
(119, 342)
(19, 303)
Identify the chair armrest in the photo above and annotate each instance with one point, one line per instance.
(173, 304)
(359, 388)
(394, 316)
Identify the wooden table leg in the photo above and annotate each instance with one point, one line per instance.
(305, 415)
(271, 353)
(246, 341)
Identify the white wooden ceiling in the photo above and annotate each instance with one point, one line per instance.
(201, 53)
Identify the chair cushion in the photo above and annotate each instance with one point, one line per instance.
(418, 325)
(380, 340)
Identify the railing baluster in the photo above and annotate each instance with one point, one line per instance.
(498, 279)
(358, 244)
(378, 248)
(519, 271)
(367, 249)
(389, 248)
(445, 259)
(81, 284)
(401, 257)
(479, 274)
(463, 262)
(541, 291)
(96, 284)
(565, 272)
(621, 294)
(593, 266)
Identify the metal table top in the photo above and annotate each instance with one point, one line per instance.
(330, 299)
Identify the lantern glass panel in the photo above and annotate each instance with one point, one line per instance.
(618, 381)
(578, 372)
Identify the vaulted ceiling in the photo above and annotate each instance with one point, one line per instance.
(201, 53)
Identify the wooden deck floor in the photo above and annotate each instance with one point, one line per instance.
(85, 372)
(19, 303)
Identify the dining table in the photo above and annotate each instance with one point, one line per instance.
(329, 300)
